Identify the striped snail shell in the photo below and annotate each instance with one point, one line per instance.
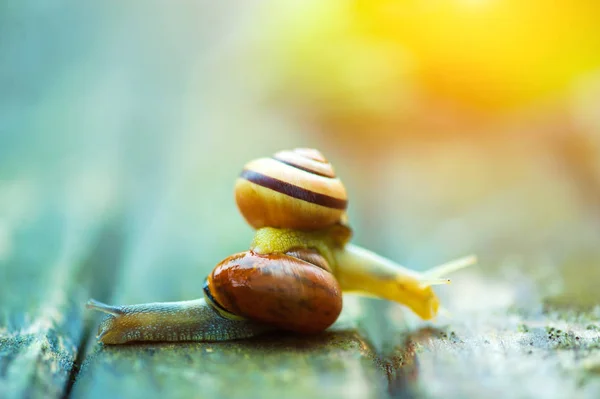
(295, 189)
(294, 291)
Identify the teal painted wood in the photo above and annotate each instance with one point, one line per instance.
(336, 364)
(49, 249)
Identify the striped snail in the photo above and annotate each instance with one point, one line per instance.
(293, 275)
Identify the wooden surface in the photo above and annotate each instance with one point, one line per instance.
(525, 323)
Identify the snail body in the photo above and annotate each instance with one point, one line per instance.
(246, 294)
(293, 275)
(180, 321)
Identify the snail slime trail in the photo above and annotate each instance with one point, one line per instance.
(292, 277)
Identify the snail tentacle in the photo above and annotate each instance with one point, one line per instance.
(450, 267)
(102, 307)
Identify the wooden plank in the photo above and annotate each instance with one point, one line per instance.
(45, 277)
(56, 182)
(336, 364)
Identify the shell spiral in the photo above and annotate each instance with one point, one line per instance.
(295, 189)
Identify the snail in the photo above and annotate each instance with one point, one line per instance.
(292, 277)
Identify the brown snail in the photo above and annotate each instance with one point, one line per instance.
(293, 276)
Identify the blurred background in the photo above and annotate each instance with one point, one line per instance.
(458, 126)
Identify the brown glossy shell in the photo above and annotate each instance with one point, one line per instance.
(294, 189)
(277, 289)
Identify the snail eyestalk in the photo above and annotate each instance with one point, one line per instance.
(439, 281)
(102, 307)
(450, 267)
